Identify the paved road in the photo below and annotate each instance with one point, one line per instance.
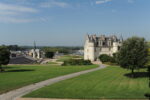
(15, 94)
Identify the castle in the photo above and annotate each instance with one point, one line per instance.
(97, 45)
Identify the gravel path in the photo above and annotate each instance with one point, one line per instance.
(15, 94)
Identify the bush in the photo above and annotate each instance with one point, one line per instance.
(106, 58)
(77, 62)
(49, 54)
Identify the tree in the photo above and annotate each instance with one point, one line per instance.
(133, 53)
(4, 56)
(49, 54)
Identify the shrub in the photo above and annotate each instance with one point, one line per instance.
(77, 62)
(106, 58)
(49, 54)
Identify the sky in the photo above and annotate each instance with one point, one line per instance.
(66, 22)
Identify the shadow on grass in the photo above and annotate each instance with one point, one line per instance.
(137, 75)
(147, 95)
(20, 70)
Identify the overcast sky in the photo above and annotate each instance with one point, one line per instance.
(66, 22)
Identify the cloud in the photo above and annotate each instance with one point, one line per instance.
(53, 4)
(10, 13)
(3, 13)
(102, 1)
(15, 20)
(16, 8)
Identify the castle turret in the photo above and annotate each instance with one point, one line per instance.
(89, 49)
(115, 47)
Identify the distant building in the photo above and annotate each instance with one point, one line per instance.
(36, 53)
(95, 46)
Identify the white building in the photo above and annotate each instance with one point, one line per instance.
(95, 46)
(35, 53)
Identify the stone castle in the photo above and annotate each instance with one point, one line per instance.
(97, 45)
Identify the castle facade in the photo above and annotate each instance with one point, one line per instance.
(97, 45)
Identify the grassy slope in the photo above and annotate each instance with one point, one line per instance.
(106, 83)
(19, 75)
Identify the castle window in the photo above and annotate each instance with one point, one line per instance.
(96, 43)
(118, 47)
(104, 43)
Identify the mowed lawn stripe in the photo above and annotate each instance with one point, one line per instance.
(105, 88)
(110, 82)
(21, 75)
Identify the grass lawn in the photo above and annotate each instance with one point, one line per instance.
(52, 63)
(67, 57)
(109, 83)
(21, 75)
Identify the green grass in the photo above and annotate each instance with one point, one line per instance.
(21, 75)
(52, 63)
(108, 83)
(67, 57)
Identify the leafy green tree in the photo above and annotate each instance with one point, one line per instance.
(133, 53)
(49, 54)
(4, 56)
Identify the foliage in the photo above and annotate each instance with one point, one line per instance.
(148, 63)
(65, 50)
(106, 58)
(17, 76)
(77, 62)
(133, 53)
(107, 83)
(4, 56)
(148, 44)
(49, 54)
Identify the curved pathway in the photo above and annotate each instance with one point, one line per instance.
(13, 95)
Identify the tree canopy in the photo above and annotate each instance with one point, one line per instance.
(4, 56)
(49, 54)
(133, 53)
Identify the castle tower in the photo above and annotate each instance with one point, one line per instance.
(89, 48)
